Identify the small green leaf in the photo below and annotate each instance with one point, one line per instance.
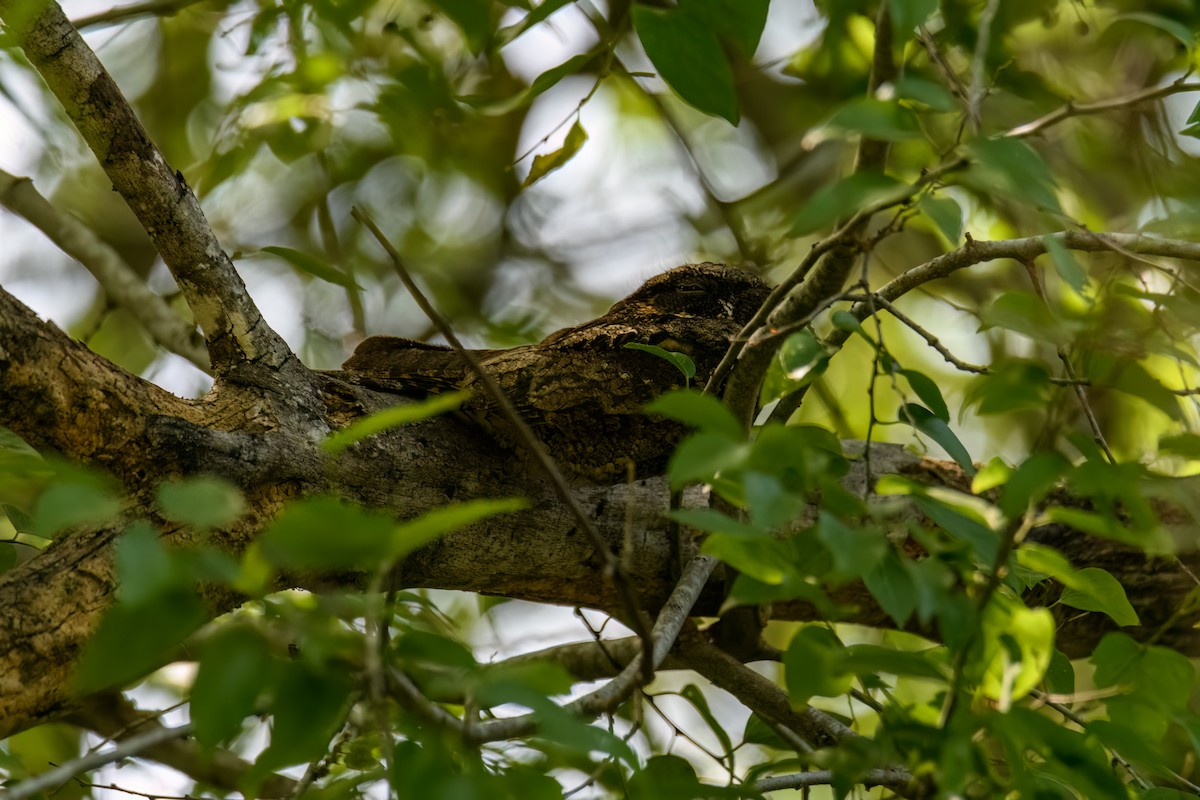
(739, 22)
(689, 58)
(925, 421)
(490, 106)
(844, 320)
(1185, 445)
(327, 533)
(886, 120)
(543, 165)
(307, 707)
(892, 586)
(312, 266)
(1015, 168)
(946, 214)
(473, 17)
(856, 550)
(908, 14)
(701, 411)
(681, 361)
(392, 417)
(925, 92)
(1025, 314)
(1095, 589)
(203, 502)
(235, 668)
(701, 456)
(928, 391)
(1018, 642)
(708, 519)
(844, 198)
(410, 535)
(1185, 35)
(1013, 384)
(77, 497)
(1030, 482)
(813, 665)
(1065, 264)
(865, 658)
(693, 695)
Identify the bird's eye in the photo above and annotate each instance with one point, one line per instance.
(691, 289)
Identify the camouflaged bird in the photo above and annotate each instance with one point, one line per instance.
(580, 389)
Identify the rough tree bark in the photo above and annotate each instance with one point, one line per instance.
(261, 425)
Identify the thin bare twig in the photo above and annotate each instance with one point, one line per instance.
(119, 14)
(670, 622)
(1100, 106)
(134, 745)
(979, 64)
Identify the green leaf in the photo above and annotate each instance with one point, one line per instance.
(1185, 445)
(701, 411)
(739, 22)
(908, 14)
(313, 266)
(543, 165)
(157, 608)
(681, 361)
(813, 665)
(1013, 384)
(925, 421)
(800, 359)
(1031, 482)
(693, 695)
(925, 92)
(689, 58)
(1185, 35)
(1095, 589)
(701, 456)
(666, 777)
(1060, 675)
(306, 709)
(413, 534)
(1026, 314)
(856, 550)
(928, 391)
(946, 214)
(473, 17)
(844, 198)
(328, 533)
(488, 105)
(892, 586)
(844, 320)
(392, 417)
(886, 120)
(768, 502)
(76, 497)
(867, 658)
(982, 539)
(1065, 264)
(235, 668)
(765, 559)
(203, 502)
(539, 13)
(1017, 643)
(1130, 377)
(713, 521)
(1016, 169)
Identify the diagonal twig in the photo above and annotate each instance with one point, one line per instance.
(612, 566)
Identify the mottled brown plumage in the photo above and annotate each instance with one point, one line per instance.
(580, 388)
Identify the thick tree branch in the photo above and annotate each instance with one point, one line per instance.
(242, 346)
(119, 282)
